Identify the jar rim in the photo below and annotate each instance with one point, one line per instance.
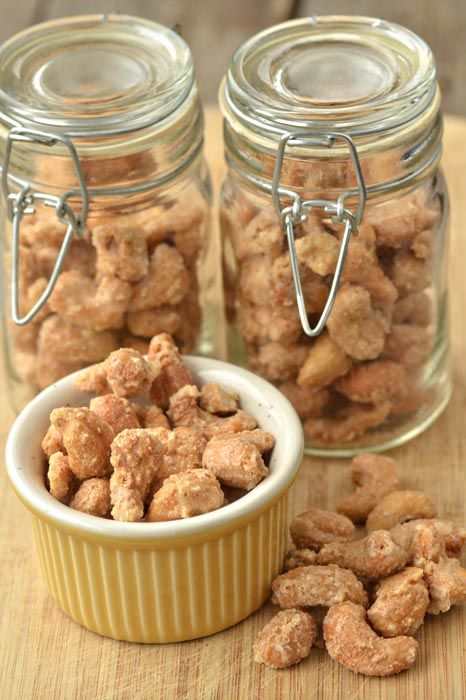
(359, 75)
(141, 73)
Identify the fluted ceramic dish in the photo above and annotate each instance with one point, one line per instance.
(170, 581)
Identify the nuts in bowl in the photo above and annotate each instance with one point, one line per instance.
(162, 561)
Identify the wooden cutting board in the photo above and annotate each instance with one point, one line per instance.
(45, 656)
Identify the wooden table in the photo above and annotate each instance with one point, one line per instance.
(46, 656)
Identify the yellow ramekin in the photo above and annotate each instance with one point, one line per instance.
(171, 581)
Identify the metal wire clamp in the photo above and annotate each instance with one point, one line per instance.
(297, 213)
(22, 202)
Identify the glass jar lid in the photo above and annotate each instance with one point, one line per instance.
(353, 74)
(93, 75)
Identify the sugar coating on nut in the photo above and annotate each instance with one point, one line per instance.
(347, 423)
(306, 401)
(182, 449)
(279, 361)
(169, 369)
(93, 497)
(186, 494)
(324, 363)
(215, 399)
(61, 479)
(362, 267)
(86, 438)
(373, 557)
(136, 458)
(153, 417)
(446, 581)
(121, 251)
(286, 639)
(350, 641)
(400, 506)
(317, 585)
(408, 344)
(163, 319)
(167, 281)
(400, 603)
(93, 379)
(53, 441)
(299, 557)
(235, 462)
(117, 411)
(452, 536)
(373, 382)
(316, 527)
(80, 344)
(374, 476)
(128, 373)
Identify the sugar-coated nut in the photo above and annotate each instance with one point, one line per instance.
(128, 373)
(61, 479)
(254, 280)
(350, 641)
(182, 449)
(153, 417)
(397, 225)
(278, 361)
(63, 340)
(215, 399)
(261, 324)
(372, 382)
(299, 557)
(167, 281)
(121, 251)
(422, 244)
(374, 476)
(117, 411)
(316, 527)
(446, 581)
(170, 371)
(306, 401)
(452, 535)
(86, 439)
(53, 441)
(261, 439)
(373, 557)
(414, 309)
(317, 585)
(186, 494)
(355, 326)
(136, 458)
(400, 603)
(263, 235)
(408, 344)
(44, 369)
(325, 362)
(150, 322)
(282, 291)
(93, 497)
(286, 639)
(362, 267)
(319, 251)
(409, 273)
(400, 506)
(93, 380)
(348, 423)
(234, 462)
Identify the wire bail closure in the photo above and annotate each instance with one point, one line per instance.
(297, 213)
(20, 203)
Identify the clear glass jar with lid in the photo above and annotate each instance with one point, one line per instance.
(106, 204)
(334, 224)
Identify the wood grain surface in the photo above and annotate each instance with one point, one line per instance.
(45, 656)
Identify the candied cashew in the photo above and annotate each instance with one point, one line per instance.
(44, 369)
(167, 281)
(186, 494)
(262, 324)
(137, 458)
(374, 476)
(262, 235)
(93, 380)
(357, 328)
(319, 251)
(62, 480)
(398, 507)
(163, 319)
(63, 340)
(453, 536)
(446, 581)
(373, 382)
(348, 423)
(397, 225)
(316, 527)
(279, 361)
(282, 290)
(215, 399)
(128, 373)
(350, 641)
(121, 251)
(234, 462)
(153, 417)
(86, 438)
(400, 603)
(299, 557)
(182, 449)
(408, 344)
(53, 441)
(373, 557)
(93, 497)
(286, 639)
(117, 411)
(254, 280)
(415, 309)
(307, 401)
(325, 362)
(317, 585)
(409, 273)
(170, 372)
(363, 268)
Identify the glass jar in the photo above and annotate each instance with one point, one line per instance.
(107, 195)
(334, 216)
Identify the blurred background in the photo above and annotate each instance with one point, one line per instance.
(215, 28)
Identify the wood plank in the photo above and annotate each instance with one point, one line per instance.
(45, 655)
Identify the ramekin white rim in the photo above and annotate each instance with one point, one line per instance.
(285, 462)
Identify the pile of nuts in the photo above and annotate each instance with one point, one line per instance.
(128, 278)
(182, 452)
(377, 589)
(365, 370)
